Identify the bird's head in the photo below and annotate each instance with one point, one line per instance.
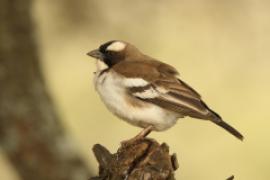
(113, 52)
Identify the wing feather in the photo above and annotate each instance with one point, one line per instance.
(162, 88)
(172, 101)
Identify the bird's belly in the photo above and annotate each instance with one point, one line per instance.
(114, 96)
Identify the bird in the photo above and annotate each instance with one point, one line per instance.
(146, 92)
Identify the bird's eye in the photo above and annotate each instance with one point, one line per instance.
(109, 52)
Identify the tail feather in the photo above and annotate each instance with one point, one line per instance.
(215, 118)
(229, 128)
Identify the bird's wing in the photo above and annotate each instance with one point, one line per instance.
(156, 83)
(174, 99)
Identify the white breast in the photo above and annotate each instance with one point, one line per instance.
(112, 90)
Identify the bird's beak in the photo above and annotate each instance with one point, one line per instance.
(95, 54)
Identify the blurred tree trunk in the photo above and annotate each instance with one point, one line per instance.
(31, 134)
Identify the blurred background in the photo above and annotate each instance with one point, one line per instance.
(221, 48)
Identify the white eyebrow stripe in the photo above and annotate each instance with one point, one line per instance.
(116, 46)
(134, 82)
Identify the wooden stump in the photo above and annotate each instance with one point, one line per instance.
(144, 159)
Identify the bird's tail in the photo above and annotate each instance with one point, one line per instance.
(228, 128)
(215, 118)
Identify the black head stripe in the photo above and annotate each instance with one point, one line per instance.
(103, 47)
(110, 57)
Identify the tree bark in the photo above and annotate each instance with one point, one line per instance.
(31, 134)
(141, 160)
(145, 159)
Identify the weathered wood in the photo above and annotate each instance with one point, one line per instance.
(230, 178)
(144, 159)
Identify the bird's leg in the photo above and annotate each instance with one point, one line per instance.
(144, 132)
(139, 136)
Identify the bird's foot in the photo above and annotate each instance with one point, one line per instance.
(138, 137)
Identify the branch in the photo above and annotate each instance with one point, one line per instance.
(144, 159)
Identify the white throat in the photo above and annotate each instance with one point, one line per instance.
(101, 65)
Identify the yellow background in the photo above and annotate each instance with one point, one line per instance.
(221, 48)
